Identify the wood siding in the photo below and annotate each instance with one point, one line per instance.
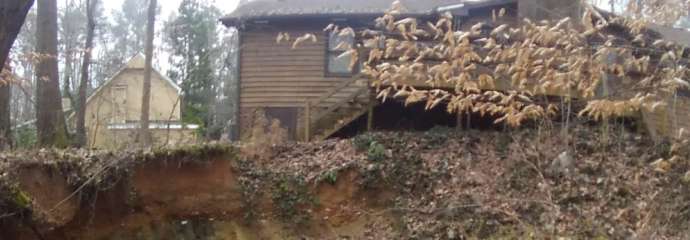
(672, 121)
(273, 75)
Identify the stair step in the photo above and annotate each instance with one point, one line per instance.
(338, 124)
(339, 107)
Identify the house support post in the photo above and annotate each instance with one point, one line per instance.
(458, 120)
(370, 113)
(307, 120)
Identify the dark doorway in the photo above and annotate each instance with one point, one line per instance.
(287, 117)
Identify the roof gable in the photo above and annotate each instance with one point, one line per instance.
(678, 35)
(136, 62)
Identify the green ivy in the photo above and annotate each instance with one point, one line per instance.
(376, 152)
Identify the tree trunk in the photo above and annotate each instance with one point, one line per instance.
(12, 16)
(83, 83)
(144, 134)
(50, 120)
(67, 74)
(5, 123)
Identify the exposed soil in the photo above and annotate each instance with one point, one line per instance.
(439, 184)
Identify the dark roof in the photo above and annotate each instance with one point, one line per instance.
(256, 9)
(678, 35)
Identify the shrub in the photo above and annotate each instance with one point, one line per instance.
(264, 136)
(362, 142)
(376, 152)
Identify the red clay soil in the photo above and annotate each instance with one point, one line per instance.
(439, 184)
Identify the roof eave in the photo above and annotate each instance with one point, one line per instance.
(236, 21)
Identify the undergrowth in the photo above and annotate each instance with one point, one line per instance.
(291, 197)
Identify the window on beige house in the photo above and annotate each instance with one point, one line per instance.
(119, 98)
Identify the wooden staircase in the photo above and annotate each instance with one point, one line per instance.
(336, 109)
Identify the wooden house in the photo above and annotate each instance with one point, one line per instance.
(113, 110)
(315, 95)
(311, 91)
(674, 119)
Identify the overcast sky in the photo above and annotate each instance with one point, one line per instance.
(170, 6)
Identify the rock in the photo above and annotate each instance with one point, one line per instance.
(562, 164)
(686, 177)
(661, 165)
(451, 234)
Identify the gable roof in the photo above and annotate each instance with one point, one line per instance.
(294, 8)
(678, 35)
(136, 62)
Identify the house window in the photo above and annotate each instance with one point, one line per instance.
(334, 65)
(119, 100)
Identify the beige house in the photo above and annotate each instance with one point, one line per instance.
(113, 110)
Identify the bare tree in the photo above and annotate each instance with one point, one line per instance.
(83, 84)
(50, 119)
(144, 134)
(5, 98)
(12, 16)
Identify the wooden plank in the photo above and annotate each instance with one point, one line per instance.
(271, 39)
(370, 111)
(321, 90)
(318, 50)
(299, 104)
(283, 48)
(307, 120)
(247, 94)
(272, 36)
(283, 74)
(272, 50)
(340, 124)
(271, 100)
(286, 46)
(298, 96)
(276, 100)
(301, 70)
(260, 105)
(309, 95)
(287, 84)
(248, 79)
(267, 68)
(339, 102)
(284, 54)
(273, 62)
(330, 93)
(266, 82)
(259, 93)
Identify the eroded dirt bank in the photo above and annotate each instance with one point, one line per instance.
(205, 193)
(435, 185)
